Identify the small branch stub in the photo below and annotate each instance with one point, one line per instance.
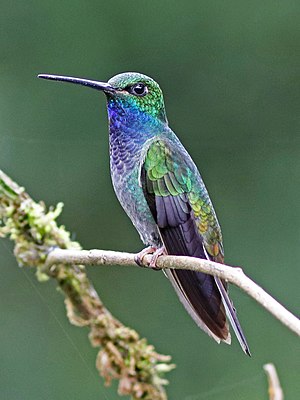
(275, 390)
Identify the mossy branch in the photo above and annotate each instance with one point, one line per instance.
(123, 354)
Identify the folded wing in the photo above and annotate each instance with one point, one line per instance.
(188, 226)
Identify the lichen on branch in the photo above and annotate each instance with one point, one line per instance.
(123, 354)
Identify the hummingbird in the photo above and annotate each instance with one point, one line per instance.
(162, 192)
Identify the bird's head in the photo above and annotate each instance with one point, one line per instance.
(129, 91)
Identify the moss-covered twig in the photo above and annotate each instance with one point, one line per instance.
(123, 354)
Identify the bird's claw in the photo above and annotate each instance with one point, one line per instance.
(138, 258)
(156, 252)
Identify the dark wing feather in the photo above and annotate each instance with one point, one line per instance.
(188, 226)
(177, 226)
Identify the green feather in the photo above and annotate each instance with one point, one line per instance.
(168, 175)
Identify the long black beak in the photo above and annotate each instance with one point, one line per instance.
(103, 86)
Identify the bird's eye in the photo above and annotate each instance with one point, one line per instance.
(139, 89)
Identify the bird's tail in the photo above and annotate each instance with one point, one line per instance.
(231, 315)
(204, 297)
(201, 299)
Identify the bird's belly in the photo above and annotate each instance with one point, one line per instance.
(131, 197)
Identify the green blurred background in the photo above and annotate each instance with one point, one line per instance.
(230, 74)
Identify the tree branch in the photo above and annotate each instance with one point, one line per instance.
(41, 243)
(233, 275)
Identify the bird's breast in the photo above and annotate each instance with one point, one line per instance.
(125, 161)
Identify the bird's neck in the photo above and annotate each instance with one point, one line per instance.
(128, 124)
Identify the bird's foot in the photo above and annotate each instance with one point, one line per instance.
(138, 258)
(156, 252)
